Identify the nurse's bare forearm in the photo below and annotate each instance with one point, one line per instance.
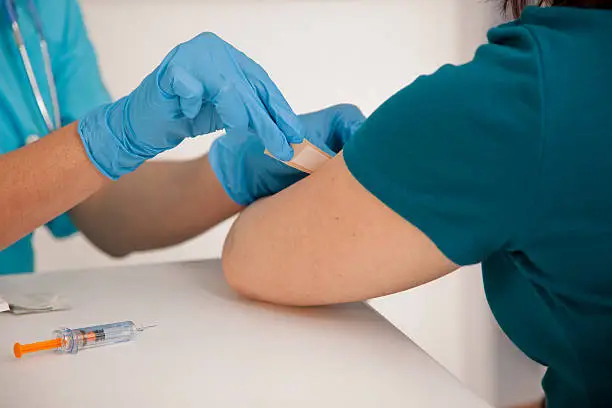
(43, 180)
(159, 205)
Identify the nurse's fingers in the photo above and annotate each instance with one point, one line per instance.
(271, 98)
(189, 90)
(347, 119)
(231, 109)
(332, 126)
(267, 131)
(193, 93)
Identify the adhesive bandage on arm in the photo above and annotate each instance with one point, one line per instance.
(307, 157)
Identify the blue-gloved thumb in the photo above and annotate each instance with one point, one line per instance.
(174, 81)
(189, 90)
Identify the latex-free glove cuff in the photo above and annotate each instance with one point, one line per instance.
(103, 146)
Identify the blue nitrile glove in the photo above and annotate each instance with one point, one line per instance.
(247, 174)
(202, 85)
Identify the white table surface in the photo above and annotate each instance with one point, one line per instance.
(212, 349)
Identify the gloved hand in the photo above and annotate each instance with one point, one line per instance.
(247, 174)
(202, 85)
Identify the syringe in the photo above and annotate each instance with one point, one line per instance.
(73, 340)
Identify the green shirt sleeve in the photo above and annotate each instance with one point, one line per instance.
(454, 153)
(79, 83)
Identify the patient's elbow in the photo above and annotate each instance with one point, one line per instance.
(248, 272)
(242, 279)
(239, 285)
(115, 252)
(232, 276)
(234, 268)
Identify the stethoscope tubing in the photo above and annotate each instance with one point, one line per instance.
(27, 63)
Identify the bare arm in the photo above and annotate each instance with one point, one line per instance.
(327, 240)
(41, 181)
(160, 204)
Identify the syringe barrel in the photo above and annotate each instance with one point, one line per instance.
(74, 340)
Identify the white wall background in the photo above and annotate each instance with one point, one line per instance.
(321, 53)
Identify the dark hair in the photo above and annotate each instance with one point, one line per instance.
(515, 7)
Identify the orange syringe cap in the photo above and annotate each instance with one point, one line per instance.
(21, 349)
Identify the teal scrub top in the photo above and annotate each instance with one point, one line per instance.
(79, 87)
(507, 161)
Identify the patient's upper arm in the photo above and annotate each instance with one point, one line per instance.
(432, 164)
(327, 240)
